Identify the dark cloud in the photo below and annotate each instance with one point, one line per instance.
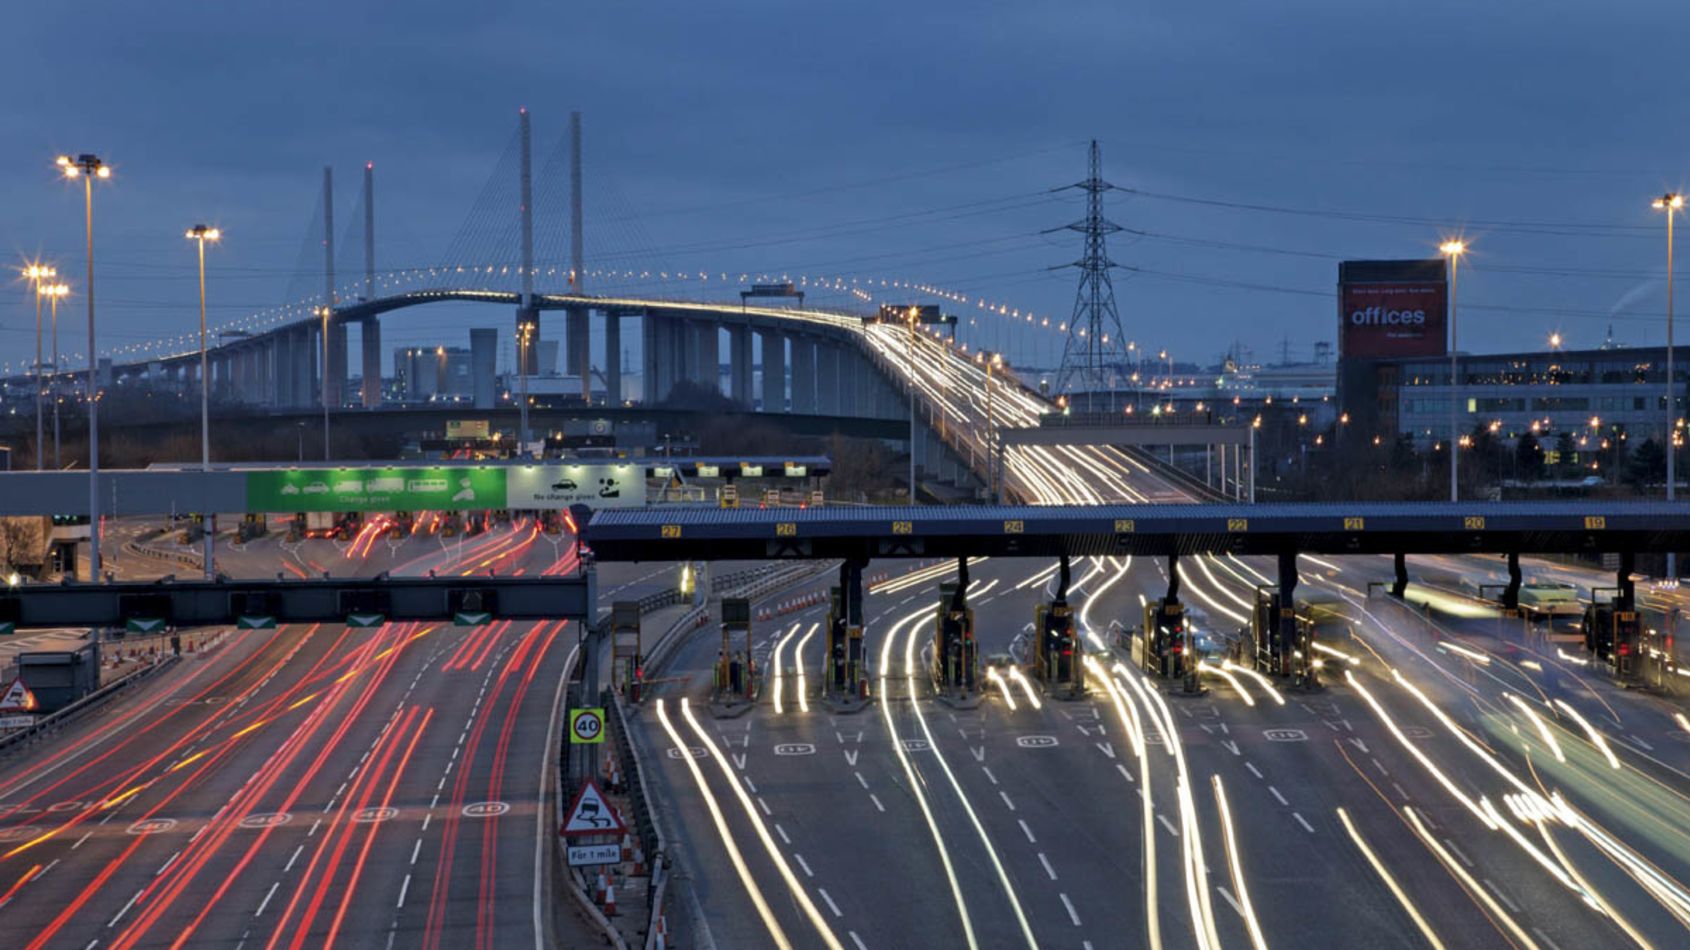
(880, 139)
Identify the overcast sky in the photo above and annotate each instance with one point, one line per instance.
(1257, 144)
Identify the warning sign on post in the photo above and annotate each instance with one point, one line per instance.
(17, 698)
(586, 725)
(592, 815)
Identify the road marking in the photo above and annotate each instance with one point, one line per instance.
(1400, 791)
(856, 939)
(989, 774)
(749, 784)
(979, 753)
(1501, 896)
(1046, 862)
(803, 864)
(851, 757)
(416, 850)
(860, 780)
(1646, 746)
(1303, 821)
(266, 901)
(1107, 748)
(764, 805)
(1006, 800)
(1027, 831)
(1167, 824)
(131, 903)
(1281, 798)
(1253, 770)
(293, 859)
(1459, 853)
(1124, 773)
(1230, 899)
(1381, 767)
(830, 904)
(1070, 905)
(782, 832)
(1231, 746)
(1552, 945)
(873, 798)
(404, 888)
(79, 841)
(166, 865)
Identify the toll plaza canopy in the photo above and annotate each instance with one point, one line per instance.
(672, 533)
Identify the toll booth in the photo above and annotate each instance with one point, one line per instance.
(833, 677)
(251, 526)
(736, 672)
(1612, 632)
(1272, 632)
(956, 658)
(1058, 656)
(845, 682)
(627, 670)
(1164, 638)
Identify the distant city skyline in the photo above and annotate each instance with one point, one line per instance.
(1254, 149)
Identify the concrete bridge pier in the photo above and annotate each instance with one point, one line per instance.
(484, 365)
(739, 365)
(305, 350)
(335, 364)
(369, 343)
(774, 371)
(613, 358)
(804, 375)
(828, 390)
(578, 345)
(704, 352)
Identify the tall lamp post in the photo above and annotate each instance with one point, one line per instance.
(36, 274)
(911, 393)
(89, 167)
(1453, 250)
(200, 234)
(1671, 202)
(55, 292)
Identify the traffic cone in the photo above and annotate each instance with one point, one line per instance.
(627, 849)
(602, 885)
(639, 861)
(610, 901)
(660, 936)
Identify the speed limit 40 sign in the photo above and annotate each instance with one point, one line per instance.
(586, 725)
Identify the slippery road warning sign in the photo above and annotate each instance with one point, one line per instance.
(586, 725)
(17, 698)
(592, 815)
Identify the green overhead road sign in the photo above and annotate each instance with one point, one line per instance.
(365, 620)
(255, 622)
(436, 488)
(471, 618)
(144, 624)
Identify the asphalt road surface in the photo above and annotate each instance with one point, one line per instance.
(308, 785)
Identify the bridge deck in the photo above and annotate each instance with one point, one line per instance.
(1350, 528)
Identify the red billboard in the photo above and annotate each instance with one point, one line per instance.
(1386, 320)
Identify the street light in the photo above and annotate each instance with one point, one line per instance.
(1453, 250)
(1670, 202)
(1555, 341)
(54, 292)
(37, 274)
(89, 167)
(200, 234)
